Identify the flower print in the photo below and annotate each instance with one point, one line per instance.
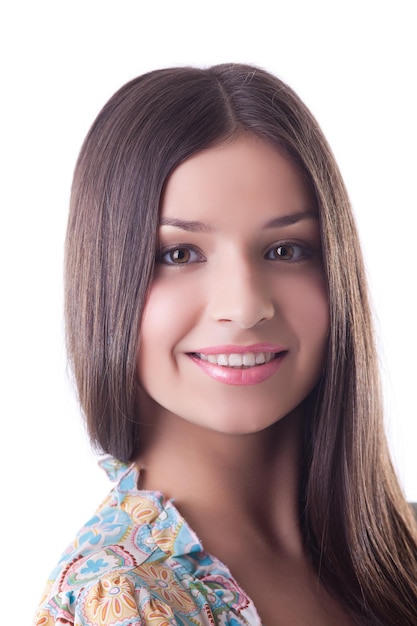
(165, 537)
(70, 598)
(227, 592)
(109, 527)
(158, 614)
(226, 619)
(93, 567)
(111, 601)
(171, 535)
(140, 509)
(113, 468)
(44, 618)
(92, 536)
(81, 571)
(62, 605)
(160, 579)
(137, 561)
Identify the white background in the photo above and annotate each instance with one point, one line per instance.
(353, 63)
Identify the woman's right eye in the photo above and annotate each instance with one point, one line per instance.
(178, 255)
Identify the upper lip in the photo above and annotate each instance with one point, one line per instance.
(239, 349)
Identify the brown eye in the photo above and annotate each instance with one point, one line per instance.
(284, 252)
(179, 255)
(288, 252)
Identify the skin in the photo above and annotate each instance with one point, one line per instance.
(239, 264)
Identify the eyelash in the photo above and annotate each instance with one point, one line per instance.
(161, 256)
(304, 252)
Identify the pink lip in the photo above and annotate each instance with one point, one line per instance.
(235, 376)
(231, 349)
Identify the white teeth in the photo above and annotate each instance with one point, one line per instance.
(235, 360)
(247, 359)
(222, 359)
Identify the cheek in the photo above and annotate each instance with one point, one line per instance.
(172, 298)
(308, 311)
(168, 315)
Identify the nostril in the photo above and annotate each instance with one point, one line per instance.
(242, 298)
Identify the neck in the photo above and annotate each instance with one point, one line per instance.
(254, 477)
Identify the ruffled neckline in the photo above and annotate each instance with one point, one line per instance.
(167, 531)
(138, 561)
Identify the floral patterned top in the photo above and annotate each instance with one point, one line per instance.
(138, 562)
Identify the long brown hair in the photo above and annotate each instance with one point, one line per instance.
(358, 530)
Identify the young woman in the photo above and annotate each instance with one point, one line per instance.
(220, 335)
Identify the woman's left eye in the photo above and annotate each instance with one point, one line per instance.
(288, 252)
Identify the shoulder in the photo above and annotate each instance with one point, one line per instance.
(136, 561)
(97, 574)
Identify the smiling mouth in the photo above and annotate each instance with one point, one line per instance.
(239, 361)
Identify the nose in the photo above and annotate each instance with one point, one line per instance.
(240, 293)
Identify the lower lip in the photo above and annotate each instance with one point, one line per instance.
(236, 376)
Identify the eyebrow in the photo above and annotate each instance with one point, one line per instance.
(292, 218)
(202, 227)
(190, 225)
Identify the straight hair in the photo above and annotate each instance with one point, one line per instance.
(358, 530)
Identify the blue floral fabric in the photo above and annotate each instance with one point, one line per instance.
(138, 562)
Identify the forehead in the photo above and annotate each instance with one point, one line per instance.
(242, 176)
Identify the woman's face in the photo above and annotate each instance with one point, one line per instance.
(234, 331)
